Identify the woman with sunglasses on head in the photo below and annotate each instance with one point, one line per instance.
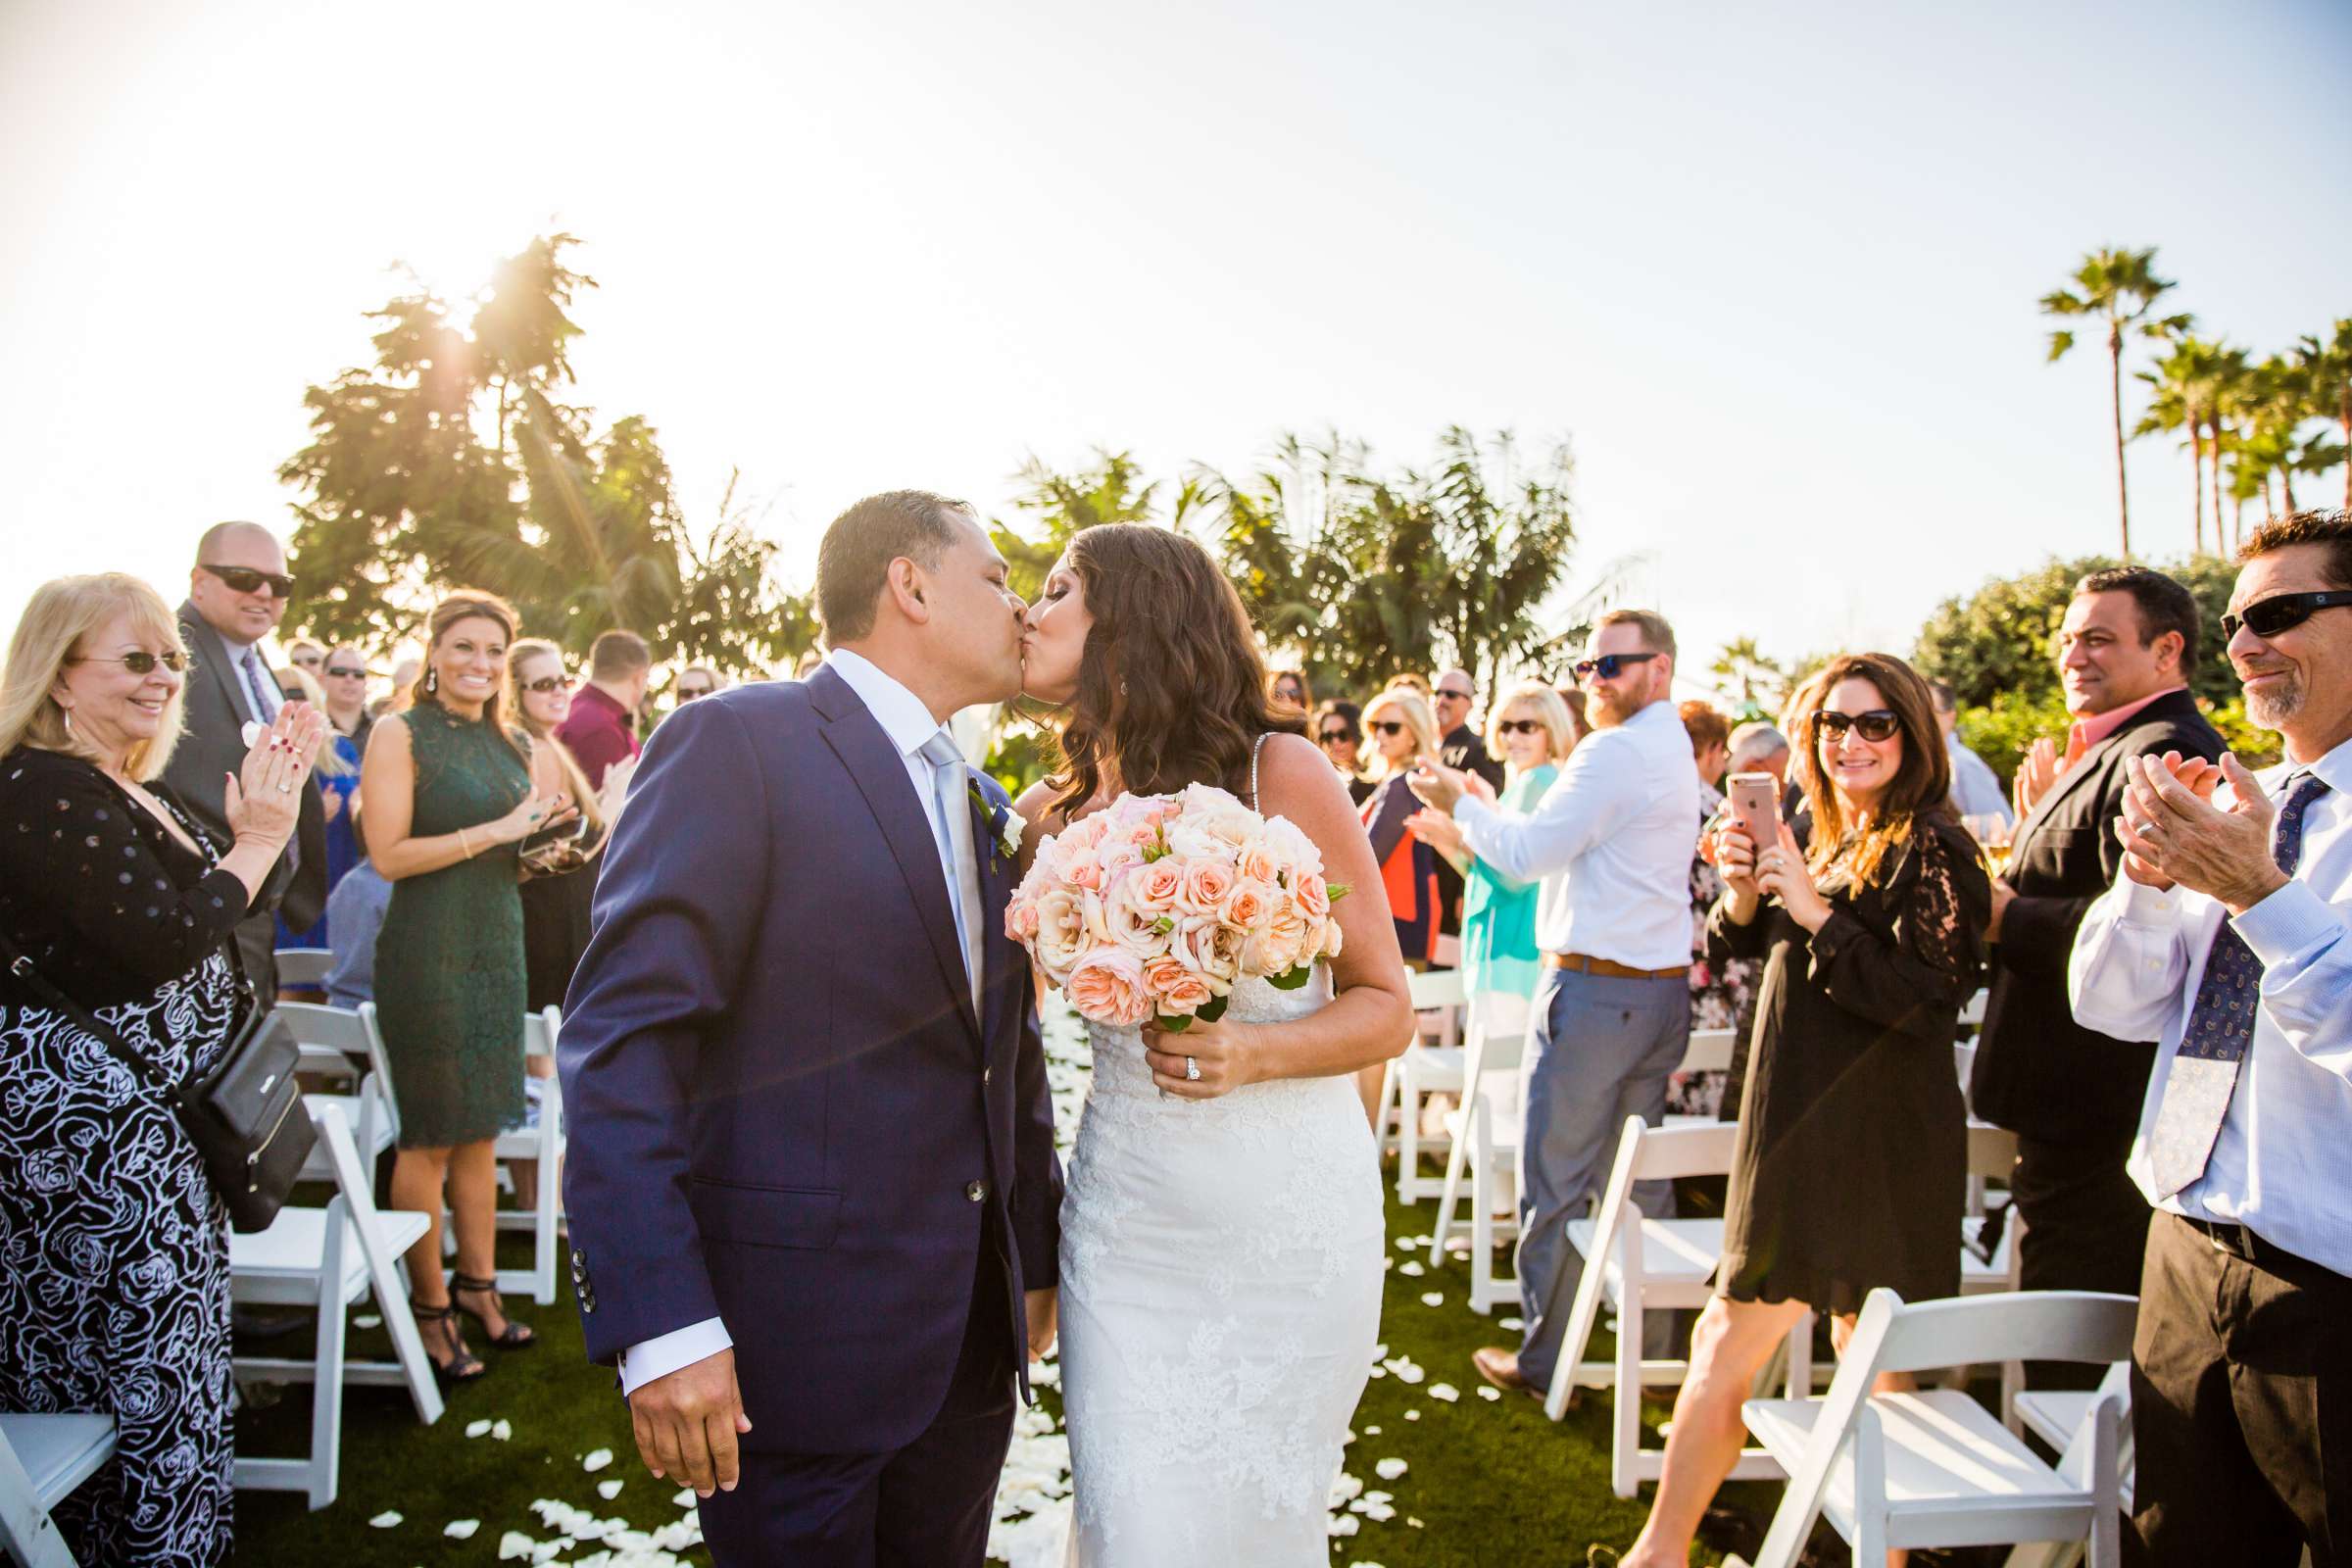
(1531, 731)
(1404, 732)
(115, 1289)
(1339, 732)
(1852, 1150)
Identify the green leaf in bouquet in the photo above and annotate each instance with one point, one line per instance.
(1173, 1026)
(1293, 980)
(1212, 1009)
(1163, 925)
(1336, 891)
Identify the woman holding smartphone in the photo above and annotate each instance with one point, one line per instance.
(1852, 1152)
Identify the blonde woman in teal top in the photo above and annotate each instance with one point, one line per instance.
(1531, 731)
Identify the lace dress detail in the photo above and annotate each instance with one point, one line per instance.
(1220, 1299)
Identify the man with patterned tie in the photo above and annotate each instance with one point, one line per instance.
(237, 594)
(2227, 939)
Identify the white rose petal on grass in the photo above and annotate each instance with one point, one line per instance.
(501, 1430)
(597, 1461)
(1488, 1392)
(1390, 1469)
(1412, 1415)
(685, 1498)
(1343, 1524)
(1444, 1391)
(366, 1320)
(1512, 1324)
(461, 1529)
(474, 1429)
(1412, 1271)
(1433, 1297)
(608, 1490)
(515, 1544)
(1371, 1432)
(389, 1519)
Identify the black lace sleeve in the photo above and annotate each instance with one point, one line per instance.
(1918, 983)
(92, 892)
(1727, 938)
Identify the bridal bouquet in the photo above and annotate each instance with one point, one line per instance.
(1153, 908)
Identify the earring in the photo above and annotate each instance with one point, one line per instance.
(432, 681)
(67, 714)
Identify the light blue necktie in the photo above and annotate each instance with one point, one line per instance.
(947, 778)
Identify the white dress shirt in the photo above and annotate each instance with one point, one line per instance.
(909, 726)
(1611, 842)
(2283, 1159)
(1975, 788)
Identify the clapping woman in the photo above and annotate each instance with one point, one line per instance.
(1404, 732)
(452, 792)
(1851, 1156)
(114, 1246)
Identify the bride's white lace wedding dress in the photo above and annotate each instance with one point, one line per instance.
(1220, 1299)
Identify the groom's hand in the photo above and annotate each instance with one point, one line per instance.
(1044, 1309)
(688, 1421)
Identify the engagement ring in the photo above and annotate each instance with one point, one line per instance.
(1192, 1071)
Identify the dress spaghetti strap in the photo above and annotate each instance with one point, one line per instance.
(1254, 751)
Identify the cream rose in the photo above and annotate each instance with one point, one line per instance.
(1062, 934)
(1258, 863)
(1136, 923)
(1107, 986)
(1293, 846)
(1280, 945)
(1207, 949)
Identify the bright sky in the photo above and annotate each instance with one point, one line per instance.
(1772, 269)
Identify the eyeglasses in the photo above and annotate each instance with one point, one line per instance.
(546, 684)
(1388, 726)
(687, 694)
(246, 580)
(1879, 724)
(1519, 726)
(2267, 618)
(141, 662)
(1333, 736)
(345, 672)
(1607, 665)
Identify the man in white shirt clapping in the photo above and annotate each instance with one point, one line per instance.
(1611, 842)
(2227, 939)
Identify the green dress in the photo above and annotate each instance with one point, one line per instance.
(448, 970)
(1498, 915)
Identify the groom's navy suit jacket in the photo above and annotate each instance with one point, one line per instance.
(783, 1112)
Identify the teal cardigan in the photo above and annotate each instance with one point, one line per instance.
(1498, 915)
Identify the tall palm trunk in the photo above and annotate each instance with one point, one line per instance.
(2219, 431)
(2196, 463)
(2343, 413)
(2115, 400)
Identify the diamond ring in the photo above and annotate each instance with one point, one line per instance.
(1192, 1071)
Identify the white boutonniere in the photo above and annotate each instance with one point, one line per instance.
(1004, 825)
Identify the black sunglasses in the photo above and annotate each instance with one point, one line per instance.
(2267, 618)
(1460, 697)
(141, 662)
(1879, 724)
(1519, 726)
(546, 683)
(1388, 726)
(687, 694)
(1333, 736)
(246, 580)
(346, 673)
(1607, 665)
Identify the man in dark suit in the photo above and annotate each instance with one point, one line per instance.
(237, 595)
(2073, 1096)
(813, 1195)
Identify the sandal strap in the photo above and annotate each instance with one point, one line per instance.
(467, 1281)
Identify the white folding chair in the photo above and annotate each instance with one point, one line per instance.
(2062, 1418)
(1999, 1268)
(42, 1459)
(1641, 1265)
(1935, 1468)
(1422, 1070)
(544, 1143)
(337, 1040)
(303, 967)
(1709, 1050)
(1484, 1139)
(328, 1258)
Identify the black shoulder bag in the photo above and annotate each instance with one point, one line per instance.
(245, 1117)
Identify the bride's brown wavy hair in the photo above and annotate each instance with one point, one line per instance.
(1171, 687)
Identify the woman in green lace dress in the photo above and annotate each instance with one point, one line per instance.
(450, 791)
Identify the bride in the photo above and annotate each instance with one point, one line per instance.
(1222, 1234)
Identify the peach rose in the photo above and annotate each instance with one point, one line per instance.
(1332, 939)
(1020, 919)
(1258, 863)
(1249, 903)
(1158, 883)
(1107, 986)
(1136, 923)
(1314, 893)
(1210, 949)
(1208, 884)
(1280, 945)
(1176, 989)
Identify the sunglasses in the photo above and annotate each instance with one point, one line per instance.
(2267, 618)
(1879, 724)
(687, 694)
(1388, 726)
(1460, 697)
(141, 662)
(246, 580)
(546, 684)
(307, 661)
(1520, 726)
(1333, 736)
(1607, 665)
(346, 673)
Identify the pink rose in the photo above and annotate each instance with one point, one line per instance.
(1136, 923)
(1177, 990)
(1158, 885)
(1020, 919)
(1208, 884)
(1314, 893)
(1249, 903)
(1107, 986)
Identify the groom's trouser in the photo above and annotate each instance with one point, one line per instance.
(925, 1505)
(1604, 1048)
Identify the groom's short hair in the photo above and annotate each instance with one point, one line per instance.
(854, 561)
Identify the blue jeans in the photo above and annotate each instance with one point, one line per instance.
(1603, 1049)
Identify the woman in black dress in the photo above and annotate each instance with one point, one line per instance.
(1852, 1151)
(114, 1246)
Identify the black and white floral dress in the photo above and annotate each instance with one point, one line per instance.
(114, 1249)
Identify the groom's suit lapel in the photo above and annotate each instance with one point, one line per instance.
(856, 738)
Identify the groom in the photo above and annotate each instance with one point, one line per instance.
(812, 1180)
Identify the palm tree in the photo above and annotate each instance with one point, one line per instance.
(1741, 665)
(2329, 367)
(2180, 390)
(2120, 286)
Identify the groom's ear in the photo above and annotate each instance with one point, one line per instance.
(904, 582)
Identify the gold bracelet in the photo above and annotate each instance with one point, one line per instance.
(463, 852)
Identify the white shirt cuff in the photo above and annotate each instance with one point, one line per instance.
(665, 1353)
(2290, 919)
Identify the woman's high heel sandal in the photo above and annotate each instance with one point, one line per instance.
(515, 1336)
(463, 1365)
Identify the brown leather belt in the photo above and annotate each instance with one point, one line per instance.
(1610, 969)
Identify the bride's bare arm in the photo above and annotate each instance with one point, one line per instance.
(1370, 1018)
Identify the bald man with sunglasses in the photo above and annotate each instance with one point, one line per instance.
(237, 593)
